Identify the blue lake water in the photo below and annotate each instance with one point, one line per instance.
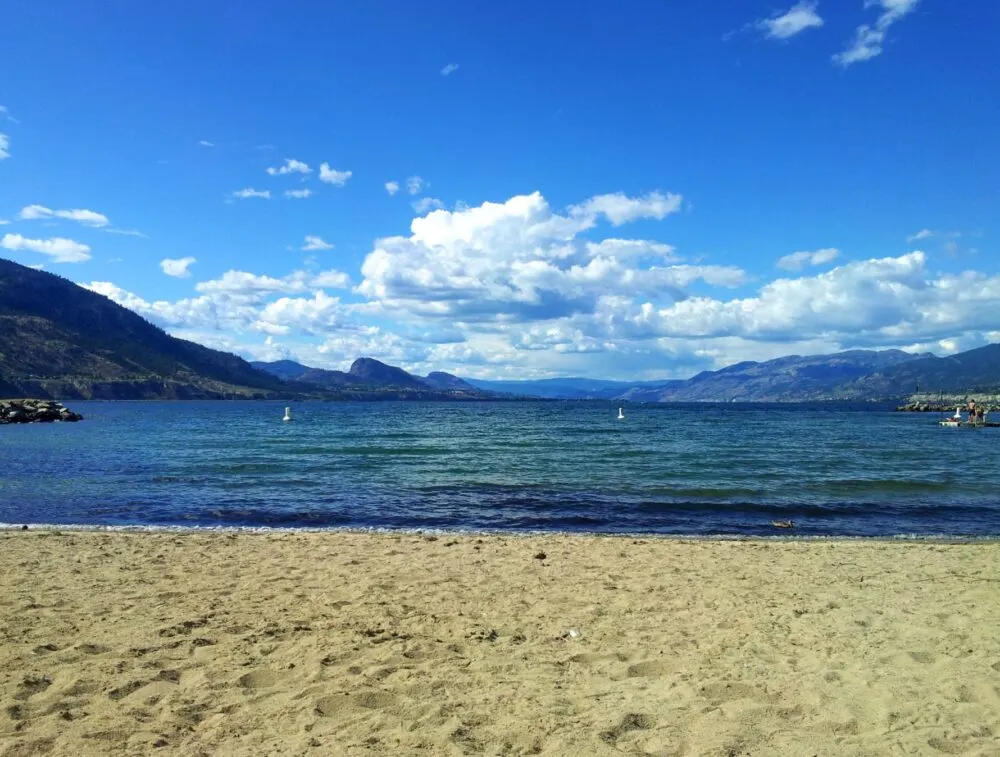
(563, 466)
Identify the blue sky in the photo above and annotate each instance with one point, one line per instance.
(516, 189)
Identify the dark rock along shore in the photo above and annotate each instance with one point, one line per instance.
(35, 411)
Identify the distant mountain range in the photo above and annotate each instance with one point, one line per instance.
(61, 341)
(368, 375)
(854, 375)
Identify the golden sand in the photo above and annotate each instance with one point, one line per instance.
(376, 644)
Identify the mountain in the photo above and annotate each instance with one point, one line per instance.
(568, 388)
(851, 375)
(840, 376)
(60, 340)
(368, 375)
(972, 371)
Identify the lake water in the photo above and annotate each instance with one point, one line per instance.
(564, 466)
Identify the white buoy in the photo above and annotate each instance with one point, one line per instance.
(621, 415)
(958, 414)
(288, 414)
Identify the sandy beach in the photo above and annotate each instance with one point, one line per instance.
(381, 644)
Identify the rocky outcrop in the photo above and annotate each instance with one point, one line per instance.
(35, 411)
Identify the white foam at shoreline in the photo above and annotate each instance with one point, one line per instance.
(98, 528)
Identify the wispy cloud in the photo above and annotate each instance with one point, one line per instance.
(333, 176)
(799, 260)
(868, 40)
(298, 194)
(86, 217)
(415, 184)
(243, 194)
(449, 69)
(4, 146)
(59, 249)
(177, 267)
(392, 187)
(922, 234)
(205, 143)
(290, 166)
(316, 243)
(794, 21)
(127, 233)
(426, 204)
(5, 114)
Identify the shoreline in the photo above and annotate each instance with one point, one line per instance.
(510, 534)
(348, 643)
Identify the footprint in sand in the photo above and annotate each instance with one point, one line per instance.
(727, 692)
(634, 721)
(259, 679)
(368, 700)
(649, 669)
(93, 648)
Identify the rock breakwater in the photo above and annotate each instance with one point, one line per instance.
(35, 411)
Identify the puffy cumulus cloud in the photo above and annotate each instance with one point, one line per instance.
(297, 194)
(520, 261)
(86, 217)
(795, 20)
(620, 209)
(59, 249)
(289, 166)
(799, 260)
(868, 40)
(318, 314)
(392, 187)
(177, 267)
(888, 301)
(333, 176)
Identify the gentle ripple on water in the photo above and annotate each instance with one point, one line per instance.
(695, 470)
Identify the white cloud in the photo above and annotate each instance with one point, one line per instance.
(920, 235)
(298, 194)
(449, 69)
(415, 184)
(316, 243)
(799, 260)
(619, 209)
(86, 217)
(289, 166)
(795, 20)
(205, 143)
(868, 40)
(331, 280)
(392, 187)
(520, 261)
(4, 222)
(59, 249)
(177, 267)
(5, 113)
(127, 233)
(247, 193)
(425, 204)
(4, 146)
(333, 176)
